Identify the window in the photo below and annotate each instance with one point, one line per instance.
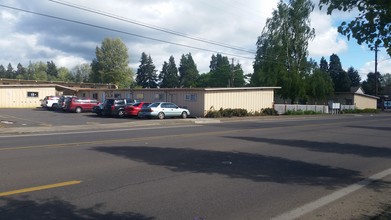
(191, 97)
(159, 96)
(32, 94)
(95, 95)
(117, 95)
(140, 96)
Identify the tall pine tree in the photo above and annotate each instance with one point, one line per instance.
(188, 73)
(146, 73)
(169, 75)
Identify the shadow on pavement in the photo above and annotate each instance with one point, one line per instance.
(328, 147)
(237, 165)
(371, 127)
(55, 209)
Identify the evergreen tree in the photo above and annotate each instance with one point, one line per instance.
(169, 75)
(188, 73)
(21, 72)
(146, 73)
(30, 71)
(203, 80)
(51, 70)
(220, 70)
(369, 85)
(354, 77)
(2, 72)
(237, 76)
(339, 76)
(10, 73)
(111, 64)
(324, 66)
(281, 56)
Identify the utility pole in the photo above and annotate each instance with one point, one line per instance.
(376, 50)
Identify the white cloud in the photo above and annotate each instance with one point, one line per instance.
(327, 40)
(28, 37)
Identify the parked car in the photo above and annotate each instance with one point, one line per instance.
(132, 110)
(62, 100)
(162, 110)
(79, 105)
(98, 109)
(116, 106)
(50, 102)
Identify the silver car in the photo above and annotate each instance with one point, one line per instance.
(163, 110)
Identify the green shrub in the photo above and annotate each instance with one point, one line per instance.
(359, 111)
(269, 111)
(301, 112)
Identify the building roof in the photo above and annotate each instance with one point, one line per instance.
(357, 91)
(184, 89)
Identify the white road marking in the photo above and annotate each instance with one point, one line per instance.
(295, 213)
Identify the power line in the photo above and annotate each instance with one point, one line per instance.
(165, 30)
(123, 32)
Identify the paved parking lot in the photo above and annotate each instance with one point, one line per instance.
(42, 117)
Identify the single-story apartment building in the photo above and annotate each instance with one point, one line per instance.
(198, 100)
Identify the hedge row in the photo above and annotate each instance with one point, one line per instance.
(238, 112)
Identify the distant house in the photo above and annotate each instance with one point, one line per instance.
(356, 97)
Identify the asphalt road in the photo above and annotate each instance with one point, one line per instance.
(252, 169)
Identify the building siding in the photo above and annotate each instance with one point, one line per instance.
(251, 100)
(16, 97)
(363, 102)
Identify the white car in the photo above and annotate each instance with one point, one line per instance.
(163, 110)
(50, 102)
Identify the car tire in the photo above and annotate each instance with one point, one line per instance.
(121, 113)
(161, 115)
(184, 115)
(54, 107)
(78, 110)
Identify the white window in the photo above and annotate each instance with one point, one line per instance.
(159, 96)
(191, 97)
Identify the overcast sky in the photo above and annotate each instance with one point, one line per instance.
(231, 27)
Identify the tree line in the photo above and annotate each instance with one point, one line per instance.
(281, 60)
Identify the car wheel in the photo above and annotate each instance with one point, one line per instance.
(161, 115)
(54, 106)
(78, 110)
(184, 115)
(121, 113)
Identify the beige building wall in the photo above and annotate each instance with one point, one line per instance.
(363, 102)
(17, 96)
(198, 101)
(251, 100)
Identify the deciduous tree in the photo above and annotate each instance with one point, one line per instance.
(282, 49)
(111, 64)
(373, 24)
